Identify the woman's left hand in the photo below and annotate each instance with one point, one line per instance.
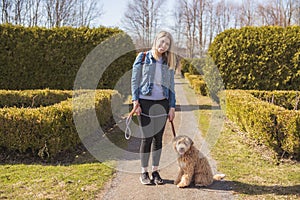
(171, 114)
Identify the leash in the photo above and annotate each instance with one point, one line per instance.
(173, 129)
(129, 118)
(128, 132)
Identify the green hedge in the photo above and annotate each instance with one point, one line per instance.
(191, 78)
(185, 64)
(288, 99)
(32, 98)
(48, 129)
(200, 87)
(39, 58)
(260, 58)
(266, 123)
(193, 66)
(197, 83)
(210, 83)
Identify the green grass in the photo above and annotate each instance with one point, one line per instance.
(254, 176)
(251, 170)
(79, 176)
(79, 181)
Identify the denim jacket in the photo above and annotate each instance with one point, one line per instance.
(143, 77)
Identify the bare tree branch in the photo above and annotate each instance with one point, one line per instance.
(141, 20)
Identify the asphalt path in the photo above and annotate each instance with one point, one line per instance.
(126, 183)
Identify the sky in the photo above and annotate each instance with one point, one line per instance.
(114, 11)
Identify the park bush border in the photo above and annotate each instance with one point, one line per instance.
(258, 58)
(271, 118)
(253, 58)
(197, 83)
(266, 123)
(39, 58)
(288, 99)
(47, 128)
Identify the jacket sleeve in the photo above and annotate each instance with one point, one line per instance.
(172, 91)
(136, 76)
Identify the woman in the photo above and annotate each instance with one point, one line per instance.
(153, 98)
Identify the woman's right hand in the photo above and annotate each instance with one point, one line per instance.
(137, 108)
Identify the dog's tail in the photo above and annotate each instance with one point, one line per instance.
(219, 177)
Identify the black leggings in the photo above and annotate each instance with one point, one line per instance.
(152, 129)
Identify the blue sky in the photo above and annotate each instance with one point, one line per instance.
(114, 11)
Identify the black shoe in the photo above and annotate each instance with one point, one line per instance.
(144, 178)
(156, 178)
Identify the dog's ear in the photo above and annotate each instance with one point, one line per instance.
(189, 140)
(192, 142)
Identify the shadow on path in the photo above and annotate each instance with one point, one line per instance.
(249, 189)
(185, 108)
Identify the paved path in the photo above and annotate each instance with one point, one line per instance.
(126, 184)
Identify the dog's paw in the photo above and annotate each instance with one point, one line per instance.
(181, 185)
(219, 177)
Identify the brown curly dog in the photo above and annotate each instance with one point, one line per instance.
(193, 165)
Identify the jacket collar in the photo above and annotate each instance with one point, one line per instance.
(152, 57)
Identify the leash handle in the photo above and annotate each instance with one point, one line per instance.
(127, 133)
(128, 120)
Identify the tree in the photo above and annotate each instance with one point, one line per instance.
(247, 13)
(296, 16)
(6, 10)
(201, 6)
(178, 27)
(142, 19)
(211, 23)
(279, 13)
(85, 12)
(50, 13)
(189, 19)
(33, 15)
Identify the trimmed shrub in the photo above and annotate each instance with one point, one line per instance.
(192, 77)
(199, 87)
(211, 82)
(49, 129)
(186, 74)
(266, 123)
(32, 98)
(260, 58)
(193, 66)
(197, 66)
(39, 58)
(185, 65)
(197, 83)
(288, 99)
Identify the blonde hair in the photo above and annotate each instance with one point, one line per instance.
(169, 54)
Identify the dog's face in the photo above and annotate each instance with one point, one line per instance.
(182, 144)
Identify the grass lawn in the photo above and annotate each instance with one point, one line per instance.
(253, 173)
(79, 181)
(78, 176)
(75, 175)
